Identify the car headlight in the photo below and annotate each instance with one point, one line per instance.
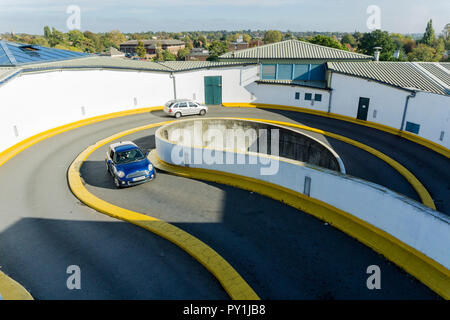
(150, 167)
(120, 174)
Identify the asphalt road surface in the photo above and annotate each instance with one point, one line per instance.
(281, 252)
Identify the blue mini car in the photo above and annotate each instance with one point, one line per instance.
(128, 165)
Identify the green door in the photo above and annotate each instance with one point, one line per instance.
(213, 90)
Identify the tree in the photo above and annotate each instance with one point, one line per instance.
(217, 48)
(424, 53)
(168, 56)
(272, 36)
(182, 53)
(349, 39)
(140, 49)
(428, 36)
(327, 42)
(47, 32)
(114, 38)
(377, 38)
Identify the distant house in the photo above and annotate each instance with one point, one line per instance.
(151, 46)
(238, 45)
(113, 53)
(197, 54)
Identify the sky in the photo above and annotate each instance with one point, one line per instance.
(402, 16)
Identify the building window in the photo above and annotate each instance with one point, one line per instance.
(412, 127)
(284, 72)
(301, 72)
(268, 71)
(318, 97)
(297, 96)
(317, 72)
(308, 96)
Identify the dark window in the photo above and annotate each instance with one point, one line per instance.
(193, 105)
(318, 97)
(308, 96)
(268, 71)
(182, 105)
(285, 71)
(297, 96)
(412, 127)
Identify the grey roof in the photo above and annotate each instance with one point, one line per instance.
(446, 65)
(104, 62)
(440, 73)
(399, 74)
(294, 49)
(191, 65)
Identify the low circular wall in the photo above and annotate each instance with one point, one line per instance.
(247, 137)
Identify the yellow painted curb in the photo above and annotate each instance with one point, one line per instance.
(423, 193)
(11, 290)
(407, 135)
(425, 269)
(232, 282)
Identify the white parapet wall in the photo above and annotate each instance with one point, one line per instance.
(414, 224)
(34, 102)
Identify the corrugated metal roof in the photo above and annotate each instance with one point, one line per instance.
(16, 54)
(191, 65)
(399, 74)
(294, 49)
(101, 62)
(440, 73)
(446, 65)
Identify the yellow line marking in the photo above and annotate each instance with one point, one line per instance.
(9, 288)
(425, 269)
(407, 135)
(236, 287)
(423, 193)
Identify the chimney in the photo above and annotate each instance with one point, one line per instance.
(376, 54)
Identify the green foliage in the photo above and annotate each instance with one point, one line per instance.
(377, 38)
(140, 49)
(272, 36)
(424, 53)
(217, 48)
(349, 39)
(428, 36)
(168, 56)
(182, 53)
(327, 42)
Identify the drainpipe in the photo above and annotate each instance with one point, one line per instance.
(412, 95)
(174, 85)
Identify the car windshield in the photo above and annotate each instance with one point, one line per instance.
(129, 156)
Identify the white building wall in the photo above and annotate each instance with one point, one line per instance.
(191, 84)
(33, 103)
(386, 102)
(285, 95)
(432, 113)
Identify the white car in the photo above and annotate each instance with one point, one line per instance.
(183, 107)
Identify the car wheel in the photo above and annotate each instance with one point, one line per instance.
(177, 115)
(116, 182)
(202, 112)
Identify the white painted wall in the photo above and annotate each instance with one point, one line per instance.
(388, 101)
(234, 81)
(432, 112)
(36, 102)
(285, 95)
(409, 221)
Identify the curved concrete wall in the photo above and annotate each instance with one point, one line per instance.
(249, 136)
(414, 224)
